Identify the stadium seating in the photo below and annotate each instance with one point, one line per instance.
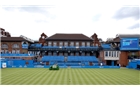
(53, 58)
(15, 55)
(82, 58)
(106, 46)
(133, 64)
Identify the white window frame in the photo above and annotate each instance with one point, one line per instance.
(77, 54)
(106, 54)
(83, 43)
(4, 46)
(49, 53)
(2, 51)
(60, 44)
(71, 43)
(77, 44)
(54, 44)
(109, 53)
(15, 46)
(96, 44)
(5, 51)
(13, 51)
(65, 43)
(18, 51)
(83, 53)
(115, 54)
(71, 54)
(60, 54)
(88, 44)
(49, 43)
(54, 54)
(112, 53)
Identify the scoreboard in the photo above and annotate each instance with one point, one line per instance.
(129, 44)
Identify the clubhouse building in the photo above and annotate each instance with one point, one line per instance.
(72, 49)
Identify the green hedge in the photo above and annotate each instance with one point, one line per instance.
(54, 67)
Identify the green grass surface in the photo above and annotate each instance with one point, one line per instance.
(69, 76)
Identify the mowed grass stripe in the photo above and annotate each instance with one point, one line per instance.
(43, 77)
(60, 77)
(93, 79)
(66, 79)
(50, 77)
(54, 79)
(60, 80)
(24, 77)
(79, 79)
(38, 77)
(113, 77)
(75, 76)
(29, 76)
(72, 76)
(43, 73)
(14, 77)
(11, 74)
(84, 77)
(132, 74)
(100, 77)
(8, 72)
(46, 78)
(124, 78)
(108, 80)
(97, 76)
(105, 80)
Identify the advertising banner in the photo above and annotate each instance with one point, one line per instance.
(129, 44)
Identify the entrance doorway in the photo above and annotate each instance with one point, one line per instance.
(108, 62)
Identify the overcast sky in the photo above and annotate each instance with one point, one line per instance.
(106, 19)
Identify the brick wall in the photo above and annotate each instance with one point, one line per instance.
(102, 56)
(10, 44)
(124, 58)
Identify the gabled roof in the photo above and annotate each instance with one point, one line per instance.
(13, 39)
(118, 38)
(59, 36)
(129, 35)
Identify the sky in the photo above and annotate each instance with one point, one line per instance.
(106, 18)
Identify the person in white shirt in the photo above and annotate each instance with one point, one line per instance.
(101, 64)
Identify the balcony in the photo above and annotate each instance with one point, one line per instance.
(64, 48)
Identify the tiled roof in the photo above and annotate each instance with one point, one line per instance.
(129, 35)
(69, 37)
(12, 39)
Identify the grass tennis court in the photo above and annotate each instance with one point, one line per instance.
(69, 76)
